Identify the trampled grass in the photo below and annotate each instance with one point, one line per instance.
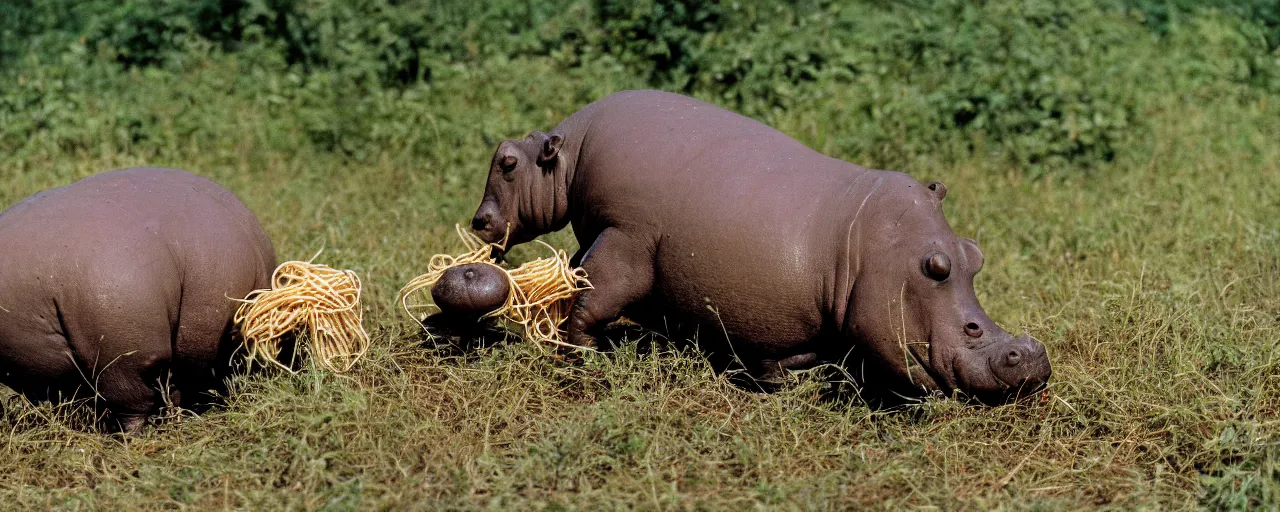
(1154, 283)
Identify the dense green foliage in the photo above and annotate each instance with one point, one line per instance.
(1047, 84)
(1116, 159)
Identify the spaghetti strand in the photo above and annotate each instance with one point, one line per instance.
(305, 297)
(541, 296)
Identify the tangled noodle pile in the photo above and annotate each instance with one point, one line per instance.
(305, 297)
(542, 290)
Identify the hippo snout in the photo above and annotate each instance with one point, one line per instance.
(1022, 364)
(486, 223)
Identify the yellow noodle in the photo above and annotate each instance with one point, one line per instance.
(304, 297)
(542, 290)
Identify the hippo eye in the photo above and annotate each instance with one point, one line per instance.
(937, 266)
(508, 163)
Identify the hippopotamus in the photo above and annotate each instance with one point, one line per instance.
(780, 257)
(121, 287)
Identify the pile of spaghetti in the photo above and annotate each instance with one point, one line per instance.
(542, 290)
(322, 302)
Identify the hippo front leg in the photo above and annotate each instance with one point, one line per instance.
(776, 371)
(620, 268)
(128, 424)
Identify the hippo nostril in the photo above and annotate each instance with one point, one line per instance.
(469, 274)
(973, 330)
(479, 223)
(1013, 358)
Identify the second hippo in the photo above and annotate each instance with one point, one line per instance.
(121, 287)
(781, 257)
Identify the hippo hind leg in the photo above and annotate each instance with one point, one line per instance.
(134, 388)
(130, 388)
(125, 362)
(770, 374)
(776, 370)
(620, 268)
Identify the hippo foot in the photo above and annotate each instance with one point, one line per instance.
(581, 339)
(567, 356)
(771, 375)
(441, 324)
(462, 333)
(777, 371)
(126, 423)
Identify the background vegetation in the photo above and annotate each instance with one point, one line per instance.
(1116, 159)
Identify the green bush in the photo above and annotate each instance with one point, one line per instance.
(664, 41)
(1046, 84)
(1164, 15)
(1049, 84)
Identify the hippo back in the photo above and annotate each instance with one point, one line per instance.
(120, 253)
(751, 227)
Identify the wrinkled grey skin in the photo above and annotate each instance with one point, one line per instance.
(119, 283)
(693, 215)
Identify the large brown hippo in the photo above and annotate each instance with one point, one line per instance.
(781, 257)
(119, 287)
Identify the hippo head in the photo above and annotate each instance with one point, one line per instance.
(527, 192)
(916, 313)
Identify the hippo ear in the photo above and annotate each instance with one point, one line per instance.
(550, 149)
(938, 189)
(972, 253)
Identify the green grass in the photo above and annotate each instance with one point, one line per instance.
(1154, 282)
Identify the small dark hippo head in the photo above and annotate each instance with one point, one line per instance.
(470, 291)
(527, 192)
(916, 310)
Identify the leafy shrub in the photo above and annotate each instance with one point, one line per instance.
(1046, 84)
(663, 40)
(1034, 77)
(42, 28)
(1164, 15)
(1037, 77)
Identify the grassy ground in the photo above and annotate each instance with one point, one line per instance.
(1153, 282)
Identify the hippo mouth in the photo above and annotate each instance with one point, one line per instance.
(936, 381)
(498, 254)
(1008, 375)
(500, 241)
(490, 236)
(1026, 387)
(1020, 366)
(990, 387)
